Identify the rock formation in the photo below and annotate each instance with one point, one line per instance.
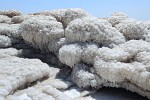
(62, 54)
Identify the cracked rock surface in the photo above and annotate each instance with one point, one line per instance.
(68, 54)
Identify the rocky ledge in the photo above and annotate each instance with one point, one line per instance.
(67, 54)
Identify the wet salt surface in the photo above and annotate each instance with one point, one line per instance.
(116, 94)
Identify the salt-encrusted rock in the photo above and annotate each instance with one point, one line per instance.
(39, 93)
(17, 72)
(30, 94)
(54, 72)
(147, 23)
(115, 53)
(10, 13)
(76, 38)
(66, 15)
(57, 83)
(55, 45)
(128, 76)
(135, 46)
(76, 53)
(58, 95)
(116, 18)
(124, 52)
(132, 29)
(83, 78)
(89, 52)
(39, 32)
(144, 58)
(5, 41)
(55, 80)
(105, 22)
(90, 29)
(11, 30)
(9, 52)
(147, 37)
(75, 93)
(126, 65)
(2, 98)
(20, 19)
(70, 54)
(45, 90)
(17, 19)
(119, 14)
(4, 19)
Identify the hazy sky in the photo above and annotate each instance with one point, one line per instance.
(139, 9)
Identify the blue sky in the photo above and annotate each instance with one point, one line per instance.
(139, 9)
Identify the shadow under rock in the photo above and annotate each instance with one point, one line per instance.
(50, 59)
(106, 93)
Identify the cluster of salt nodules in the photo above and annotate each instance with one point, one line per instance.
(110, 52)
